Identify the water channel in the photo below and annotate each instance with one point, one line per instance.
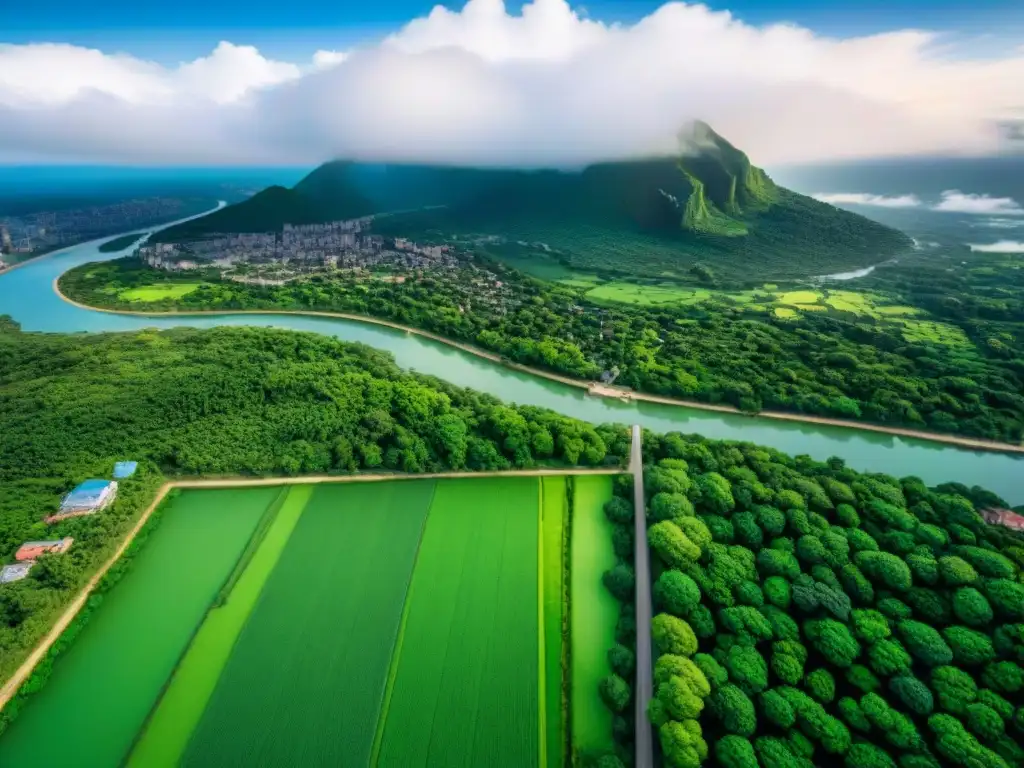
(27, 295)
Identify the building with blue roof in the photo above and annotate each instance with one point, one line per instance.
(123, 469)
(87, 499)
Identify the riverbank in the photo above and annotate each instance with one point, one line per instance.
(595, 389)
(11, 686)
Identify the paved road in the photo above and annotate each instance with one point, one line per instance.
(644, 685)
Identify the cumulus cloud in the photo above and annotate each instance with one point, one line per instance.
(866, 198)
(955, 201)
(1003, 246)
(1000, 223)
(546, 86)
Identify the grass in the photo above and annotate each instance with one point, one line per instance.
(167, 734)
(102, 689)
(305, 682)
(553, 510)
(865, 304)
(934, 333)
(151, 293)
(595, 612)
(799, 297)
(785, 313)
(647, 295)
(466, 674)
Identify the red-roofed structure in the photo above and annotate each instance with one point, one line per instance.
(1004, 517)
(30, 550)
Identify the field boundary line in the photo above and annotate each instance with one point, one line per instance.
(14, 683)
(542, 630)
(594, 388)
(21, 674)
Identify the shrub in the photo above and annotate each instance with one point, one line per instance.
(666, 506)
(714, 493)
(784, 627)
(676, 593)
(618, 510)
(953, 742)
(777, 591)
(861, 541)
(735, 752)
(776, 753)
(929, 605)
(888, 657)
(988, 563)
(924, 643)
(857, 585)
(971, 607)
(954, 688)
(721, 528)
(932, 537)
(863, 678)
(682, 745)
(787, 663)
(1003, 676)
(714, 673)
(776, 709)
(833, 641)
(666, 480)
(810, 550)
(622, 660)
(992, 699)
(771, 520)
(702, 621)
(969, 647)
(915, 695)
(898, 729)
(734, 710)
(821, 685)
(885, 569)
(747, 669)
(621, 582)
(747, 623)
(850, 711)
(1006, 598)
(748, 532)
(985, 722)
(924, 568)
(894, 609)
(696, 531)
(672, 545)
(870, 625)
(749, 593)
(772, 562)
(615, 692)
(864, 755)
(956, 572)
(679, 700)
(673, 635)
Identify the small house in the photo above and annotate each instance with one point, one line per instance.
(1004, 517)
(88, 498)
(16, 572)
(30, 550)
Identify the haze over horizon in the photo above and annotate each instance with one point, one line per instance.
(544, 85)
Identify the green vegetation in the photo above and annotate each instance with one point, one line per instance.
(869, 365)
(225, 401)
(327, 617)
(594, 614)
(120, 243)
(556, 612)
(158, 292)
(182, 704)
(112, 675)
(813, 615)
(469, 648)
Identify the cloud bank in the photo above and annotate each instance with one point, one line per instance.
(1003, 246)
(866, 198)
(955, 201)
(546, 87)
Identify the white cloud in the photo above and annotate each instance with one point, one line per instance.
(1003, 246)
(955, 201)
(547, 86)
(1000, 223)
(866, 198)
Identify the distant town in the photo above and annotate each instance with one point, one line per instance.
(27, 234)
(298, 251)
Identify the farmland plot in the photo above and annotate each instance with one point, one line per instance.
(304, 683)
(553, 514)
(466, 672)
(103, 687)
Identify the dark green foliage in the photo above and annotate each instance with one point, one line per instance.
(621, 582)
(616, 693)
(857, 585)
(954, 689)
(747, 669)
(888, 657)
(898, 729)
(771, 520)
(988, 563)
(1008, 641)
(869, 625)
(847, 516)
(787, 661)
(619, 510)
(929, 605)
(673, 635)
(862, 678)
(735, 752)
(894, 608)
(714, 673)
(749, 593)
(851, 713)
(956, 571)
(834, 641)
(885, 569)
(721, 528)
(864, 755)
(992, 699)
(747, 623)
(925, 643)
(1006, 598)
(985, 722)
(734, 710)
(748, 532)
(821, 685)
(861, 541)
(915, 695)
(702, 621)
(772, 562)
(668, 506)
(971, 607)
(1003, 676)
(676, 593)
(953, 742)
(622, 660)
(778, 592)
(776, 709)
(775, 753)
(784, 627)
(673, 546)
(969, 646)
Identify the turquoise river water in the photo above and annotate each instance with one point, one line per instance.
(26, 294)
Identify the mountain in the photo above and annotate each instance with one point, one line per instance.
(654, 217)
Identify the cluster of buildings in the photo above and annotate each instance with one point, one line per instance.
(301, 249)
(87, 498)
(32, 232)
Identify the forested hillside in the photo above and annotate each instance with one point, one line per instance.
(810, 615)
(227, 401)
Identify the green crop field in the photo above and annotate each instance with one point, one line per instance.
(553, 514)
(103, 687)
(182, 705)
(304, 683)
(466, 669)
(159, 292)
(594, 612)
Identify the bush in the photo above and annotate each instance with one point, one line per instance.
(735, 752)
(924, 568)
(687, 672)
(771, 520)
(870, 625)
(1006, 598)
(676, 593)
(915, 695)
(721, 528)
(682, 744)
(850, 711)
(673, 635)
(992, 699)
(696, 531)
(777, 591)
(679, 699)
(894, 609)
(864, 755)
(924, 643)
(734, 710)
(1003, 676)
(821, 685)
(747, 669)
(702, 621)
(956, 572)
(776, 753)
(749, 593)
(988, 563)
(772, 562)
(954, 688)
(888, 658)
(784, 627)
(622, 660)
(621, 582)
(833, 641)
(618, 510)
(971, 607)
(862, 678)
(953, 742)
(748, 532)
(985, 722)
(969, 647)
(929, 605)
(856, 585)
(672, 545)
(714, 673)
(885, 569)
(615, 692)
(747, 623)
(776, 709)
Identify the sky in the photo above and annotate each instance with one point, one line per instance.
(485, 82)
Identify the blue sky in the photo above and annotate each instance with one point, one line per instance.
(187, 28)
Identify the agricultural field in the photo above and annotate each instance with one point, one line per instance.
(149, 293)
(415, 622)
(594, 613)
(103, 687)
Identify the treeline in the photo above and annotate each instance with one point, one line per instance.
(226, 401)
(848, 367)
(809, 615)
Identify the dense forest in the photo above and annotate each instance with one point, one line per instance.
(829, 364)
(227, 401)
(811, 615)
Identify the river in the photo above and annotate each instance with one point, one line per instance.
(26, 294)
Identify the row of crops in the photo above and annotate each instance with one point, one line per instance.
(405, 623)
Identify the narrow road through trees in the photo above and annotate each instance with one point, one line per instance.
(642, 566)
